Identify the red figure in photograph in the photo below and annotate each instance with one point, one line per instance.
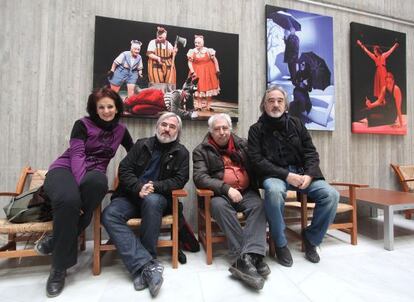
(379, 59)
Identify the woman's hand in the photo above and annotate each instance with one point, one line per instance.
(368, 103)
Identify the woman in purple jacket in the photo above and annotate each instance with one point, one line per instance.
(76, 182)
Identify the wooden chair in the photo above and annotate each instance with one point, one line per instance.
(170, 222)
(26, 232)
(300, 204)
(405, 176)
(208, 230)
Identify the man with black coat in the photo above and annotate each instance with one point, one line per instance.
(151, 170)
(284, 157)
(220, 164)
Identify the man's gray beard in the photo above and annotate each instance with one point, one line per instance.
(166, 140)
(275, 114)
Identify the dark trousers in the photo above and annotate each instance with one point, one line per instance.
(292, 70)
(135, 251)
(241, 240)
(68, 199)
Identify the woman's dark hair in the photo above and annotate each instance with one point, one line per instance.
(100, 93)
(390, 75)
(378, 49)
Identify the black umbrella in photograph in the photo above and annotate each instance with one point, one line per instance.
(321, 75)
(285, 20)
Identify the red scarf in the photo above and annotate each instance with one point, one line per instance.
(229, 150)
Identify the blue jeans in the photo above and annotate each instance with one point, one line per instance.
(135, 251)
(326, 201)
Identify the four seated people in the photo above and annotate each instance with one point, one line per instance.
(278, 156)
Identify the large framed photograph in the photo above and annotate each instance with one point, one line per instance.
(300, 59)
(158, 68)
(378, 80)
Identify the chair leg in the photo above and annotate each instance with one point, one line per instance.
(303, 215)
(209, 239)
(354, 230)
(175, 234)
(96, 267)
(272, 248)
(11, 245)
(82, 241)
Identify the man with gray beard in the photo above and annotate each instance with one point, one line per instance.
(151, 170)
(285, 158)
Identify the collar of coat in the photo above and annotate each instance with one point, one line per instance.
(237, 142)
(150, 143)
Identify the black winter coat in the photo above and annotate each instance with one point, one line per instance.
(264, 144)
(174, 169)
(208, 166)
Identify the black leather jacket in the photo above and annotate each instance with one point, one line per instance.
(266, 141)
(174, 169)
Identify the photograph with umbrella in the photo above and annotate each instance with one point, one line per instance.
(299, 53)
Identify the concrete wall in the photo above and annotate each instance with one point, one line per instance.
(46, 67)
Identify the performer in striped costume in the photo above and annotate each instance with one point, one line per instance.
(160, 72)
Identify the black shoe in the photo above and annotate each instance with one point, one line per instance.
(310, 250)
(284, 256)
(182, 258)
(244, 270)
(152, 275)
(55, 282)
(139, 282)
(262, 268)
(44, 246)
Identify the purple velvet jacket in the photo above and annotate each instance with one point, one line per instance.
(91, 148)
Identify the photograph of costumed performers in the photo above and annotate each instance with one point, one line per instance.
(378, 80)
(171, 75)
(299, 58)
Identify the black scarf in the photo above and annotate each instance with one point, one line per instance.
(104, 125)
(275, 123)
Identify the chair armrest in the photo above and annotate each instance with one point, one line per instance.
(352, 190)
(8, 194)
(345, 184)
(179, 193)
(205, 193)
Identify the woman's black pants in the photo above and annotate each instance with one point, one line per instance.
(72, 207)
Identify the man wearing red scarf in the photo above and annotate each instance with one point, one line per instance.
(220, 164)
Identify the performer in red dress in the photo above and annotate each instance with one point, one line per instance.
(204, 65)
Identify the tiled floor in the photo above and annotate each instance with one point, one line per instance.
(365, 272)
